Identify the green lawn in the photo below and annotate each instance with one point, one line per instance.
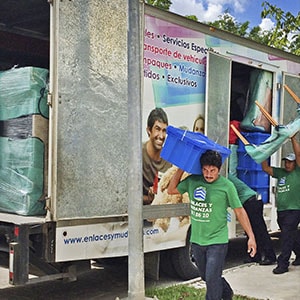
(183, 292)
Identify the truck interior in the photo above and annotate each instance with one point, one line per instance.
(250, 85)
(24, 42)
(24, 33)
(240, 90)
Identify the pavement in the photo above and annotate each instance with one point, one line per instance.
(250, 280)
(259, 282)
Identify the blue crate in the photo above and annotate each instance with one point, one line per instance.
(245, 161)
(253, 138)
(253, 177)
(263, 191)
(184, 148)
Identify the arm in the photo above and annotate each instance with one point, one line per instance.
(267, 168)
(244, 221)
(172, 188)
(296, 148)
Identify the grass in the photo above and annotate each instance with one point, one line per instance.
(183, 292)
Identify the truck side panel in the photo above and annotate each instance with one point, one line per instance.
(89, 109)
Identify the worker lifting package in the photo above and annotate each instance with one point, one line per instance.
(184, 148)
(23, 140)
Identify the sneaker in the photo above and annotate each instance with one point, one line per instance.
(249, 260)
(296, 262)
(280, 270)
(267, 262)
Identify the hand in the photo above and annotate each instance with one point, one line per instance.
(147, 199)
(151, 194)
(251, 247)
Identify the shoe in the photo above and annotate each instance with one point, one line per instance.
(267, 262)
(251, 260)
(227, 296)
(280, 270)
(296, 262)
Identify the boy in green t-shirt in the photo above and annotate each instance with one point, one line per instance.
(210, 195)
(288, 206)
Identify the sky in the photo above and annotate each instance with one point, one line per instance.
(241, 10)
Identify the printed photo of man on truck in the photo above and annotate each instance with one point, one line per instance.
(153, 164)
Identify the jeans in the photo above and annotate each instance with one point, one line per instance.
(210, 261)
(288, 221)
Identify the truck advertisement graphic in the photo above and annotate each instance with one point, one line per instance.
(174, 71)
(174, 63)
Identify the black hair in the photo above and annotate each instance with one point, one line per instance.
(157, 114)
(211, 158)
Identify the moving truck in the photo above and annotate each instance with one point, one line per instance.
(64, 134)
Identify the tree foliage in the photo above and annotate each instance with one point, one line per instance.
(228, 23)
(162, 4)
(192, 17)
(286, 33)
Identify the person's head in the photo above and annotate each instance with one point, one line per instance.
(156, 127)
(289, 162)
(211, 162)
(199, 124)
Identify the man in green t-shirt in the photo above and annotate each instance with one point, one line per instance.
(254, 208)
(210, 195)
(288, 206)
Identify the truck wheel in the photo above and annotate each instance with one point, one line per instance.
(182, 261)
(166, 264)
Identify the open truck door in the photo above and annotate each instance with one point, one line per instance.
(217, 111)
(217, 106)
(289, 105)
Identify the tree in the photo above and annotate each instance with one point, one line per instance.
(285, 35)
(228, 23)
(192, 17)
(162, 4)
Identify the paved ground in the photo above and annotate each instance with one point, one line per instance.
(259, 282)
(110, 282)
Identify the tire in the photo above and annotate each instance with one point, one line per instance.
(182, 261)
(166, 265)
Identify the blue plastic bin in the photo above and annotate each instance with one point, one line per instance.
(248, 170)
(263, 191)
(184, 148)
(253, 177)
(246, 161)
(253, 138)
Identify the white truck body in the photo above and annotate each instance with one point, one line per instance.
(87, 216)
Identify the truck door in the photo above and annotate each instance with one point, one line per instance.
(89, 135)
(217, 106)
(289, 105)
